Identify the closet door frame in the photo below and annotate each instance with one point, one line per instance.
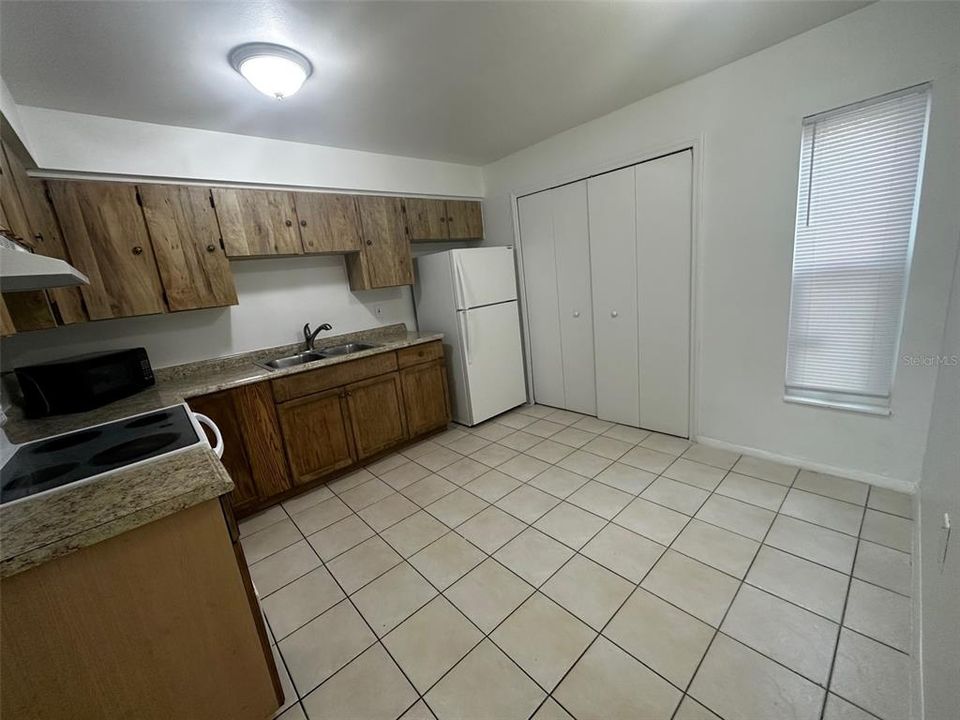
(695, 145)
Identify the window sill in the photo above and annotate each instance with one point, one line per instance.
(839, 405)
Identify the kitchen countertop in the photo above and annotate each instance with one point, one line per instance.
(37, 530)
(182, 382)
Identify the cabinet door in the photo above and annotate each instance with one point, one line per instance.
(542, 297)
(329, 223)
(107, 239)
(426, 219)
(46, 236)
(612, 203)
(257, 222)
(464, 220)
(376, 414)
(576, 303)
(316, 435)
(384, 260)
(186, 241)
(253, 447)
(7, 328)
(425, 400)
(27, 310)
(221, 408)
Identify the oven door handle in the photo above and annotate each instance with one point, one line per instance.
(204, 420)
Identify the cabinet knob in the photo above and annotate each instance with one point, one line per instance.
(211, 247)
(449, 219)
(303, 223)
(576, 313)
(137, 250)
(614, 313)
(369, 242)
(288, 223)
(443, 219)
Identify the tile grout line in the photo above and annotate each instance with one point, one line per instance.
(606, 524)
(727, 612)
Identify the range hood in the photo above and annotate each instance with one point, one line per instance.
(22, 270)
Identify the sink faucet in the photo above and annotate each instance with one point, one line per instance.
(311, 337)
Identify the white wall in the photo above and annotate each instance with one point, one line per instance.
(939, 591)
(747, 118)
(277, 296)
(73, 142)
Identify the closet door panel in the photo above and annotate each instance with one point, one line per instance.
(612, 201)
(572, 235)
(542, 303)
(664, 192)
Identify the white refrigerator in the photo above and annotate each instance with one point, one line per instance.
(470, 295)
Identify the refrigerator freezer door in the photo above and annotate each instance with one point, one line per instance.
(483, 276)
(492, 362)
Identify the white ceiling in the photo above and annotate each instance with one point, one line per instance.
(460, 81)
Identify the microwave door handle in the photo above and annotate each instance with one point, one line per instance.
(204, 420)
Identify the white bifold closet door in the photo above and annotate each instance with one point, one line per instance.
(640, 236)
(613, 254)
(556, 268)
(664, 234)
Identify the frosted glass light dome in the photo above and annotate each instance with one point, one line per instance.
(274, 70)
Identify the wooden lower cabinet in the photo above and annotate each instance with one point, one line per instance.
(376, 414)
(317, 435)
(155, 623)
(425, 397)
(282, 436)
(253, 445)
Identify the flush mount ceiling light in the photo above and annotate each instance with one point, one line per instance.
(274, 70)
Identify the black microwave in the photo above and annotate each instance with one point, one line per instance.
(84, 382)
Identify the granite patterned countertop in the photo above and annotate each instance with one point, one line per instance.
(37, 530)
(182, 382)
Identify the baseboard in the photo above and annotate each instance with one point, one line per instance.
(904, 486)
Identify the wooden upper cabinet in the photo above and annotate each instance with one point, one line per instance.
(464, 220)
(384, 258)
(426, 219)
(7, 327)
(376, 414)
(106, 236)
(30, 310)
(186, 241)
(429, 220)
(317, 435)
(329, 222)
(66, 303)
(257, 222)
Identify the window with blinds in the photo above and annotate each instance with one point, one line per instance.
(860, 171)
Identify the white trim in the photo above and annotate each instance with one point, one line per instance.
(695, 145)
(916, 612)
(882, 481)
(881, 410)
(41, 174)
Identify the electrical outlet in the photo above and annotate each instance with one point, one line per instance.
(378, 310)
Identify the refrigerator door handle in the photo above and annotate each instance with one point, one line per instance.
(466, 337)
(458, 271)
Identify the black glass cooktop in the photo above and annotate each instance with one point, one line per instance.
(46, 464)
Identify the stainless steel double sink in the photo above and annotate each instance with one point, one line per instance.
(314, 355)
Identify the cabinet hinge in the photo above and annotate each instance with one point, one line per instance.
(212, 203)
(222, 247)
(139, 199)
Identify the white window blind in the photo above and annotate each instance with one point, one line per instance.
(860, 169)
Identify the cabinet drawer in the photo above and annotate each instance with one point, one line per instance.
(420, 354)
(306, 383)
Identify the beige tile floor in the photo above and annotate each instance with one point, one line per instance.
(551, 565)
